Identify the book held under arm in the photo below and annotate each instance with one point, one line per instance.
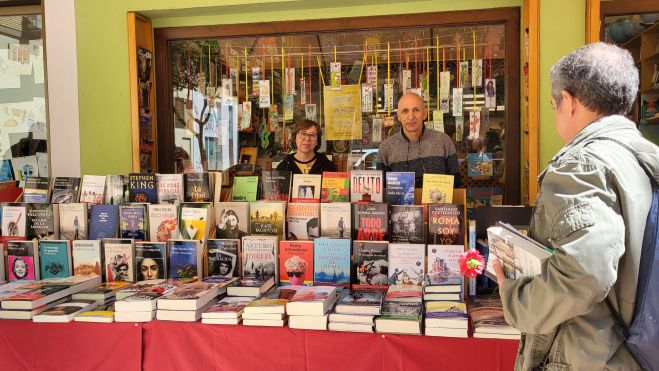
(520, 255)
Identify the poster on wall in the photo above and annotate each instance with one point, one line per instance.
(343, 112)
(9, 79)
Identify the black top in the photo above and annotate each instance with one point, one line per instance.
(322, 164)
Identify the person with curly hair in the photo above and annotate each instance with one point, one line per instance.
(295, 269)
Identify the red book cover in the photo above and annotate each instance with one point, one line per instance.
(296, 263)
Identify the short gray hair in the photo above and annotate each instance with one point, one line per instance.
(602, 76)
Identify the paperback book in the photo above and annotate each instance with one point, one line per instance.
(520, 255)
(437, 188)
(370, 265)
(185, 260)
(332, 262)
(267, 218)
(103, 222)
(197, 187)
(86, 258)
(151, 262)
(275, 185)
(42, 221)
(193, 222)
(170, 188)
(400, 188)
(133, 222)
(245, 188)
(116, 189)
(73, 221)
(366, 186)
(370, 222)
(55, 259)
(335, 187)
(36, 190)
(65, 190)
(163, 222)
(406, 264)
(23, 260)
(335, 219)
(302, 221)
(142, 188)
(232, 220)
(119, 261)
(306, 188)
(222, 258)
(362, 302)
(296, 263)
(92, 189)
(260, 257)
(14, 220)
(446, 224)
(407, 224)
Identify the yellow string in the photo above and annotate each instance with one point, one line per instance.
(388, 80)
(437, 61)
(246, 76)
(320, 71)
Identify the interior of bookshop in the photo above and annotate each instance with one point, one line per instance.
(258, 192)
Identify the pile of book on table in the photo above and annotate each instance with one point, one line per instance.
(355, 310)
(187, 302)
(402, 311)
(309, 307)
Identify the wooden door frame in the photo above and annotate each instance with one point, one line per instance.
(625, 7)
(510, 17)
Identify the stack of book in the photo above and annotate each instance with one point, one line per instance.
(444, 281)
(310, 306)
(400, 318)
(404, 293)
(446, 318)
(251, 286)
(187, 302)
(65, 312)
(104, 293)
(487, 319)
(136, 287)
(355, 310)
(141, 306)
(269, 309)
(228, 311)
(101, 314)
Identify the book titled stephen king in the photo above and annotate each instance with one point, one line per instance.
(335, 219)
(407, 264)
(306, 188)
(222, 258)
(245, 188)
(73, 221)
(14, 220)
(36, 190)
(55, 258)
(267, 218)
(23, 260)
(370, 264)
(197, 187)
(170, 188)
(92, 189)
(260, 257)
(302, 221)
(119, 258)
(185, 260)
(133, 222)
(400, 188)
(103, 221)
(437, 188)
(87, 257)
(407, 224)
(332, 262)
(446, 224)
(163, 222)
(296, 263)
(370, 222)
(142, 187)
(65, 190)
(366, 186)
(232, 220)
(116, 189)
(42, 221)
(193, 220)
(150, 259)
(275, 185)
(336, 187)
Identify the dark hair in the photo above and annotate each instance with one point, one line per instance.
(302, 125)
(232, 212)
(140, 276)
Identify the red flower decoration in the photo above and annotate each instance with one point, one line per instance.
(471, 263)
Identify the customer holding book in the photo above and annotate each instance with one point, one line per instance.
(305, 139)
(592, 208)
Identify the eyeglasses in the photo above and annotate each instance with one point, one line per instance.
(296, 274)
(308, 136)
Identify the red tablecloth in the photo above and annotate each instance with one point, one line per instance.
(189, 346)
(25, 345)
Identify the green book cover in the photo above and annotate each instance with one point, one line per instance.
(55, 259)
(245, 188)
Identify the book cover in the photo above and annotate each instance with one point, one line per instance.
(370, 264)
(36, 190)
(197, 187)
(86, 258)
(42, 221)
(116, 189)
(267, 218)
(103, 221)
(14, 220)
(184, 260)
(232, 220)
(275, 185)
(520, 256)
(331, 259)
(360, 298)
(228, 304)
(306, 188)
(446, 310)
(260, 257)
(245, 188)
(22, 260)
(446, 224)
(119, 261)
(443, 266)
(437, 188)
(302, 221)
(73, 221)
(407, 264)
(55, 259)
(193, 222)
(170, 188)
(142, 187)
(65, 190)
(335, 187)
(480, 164)
(150, 259)
(133, 222)
(366, 186)
(400, 188)
(222, 258)
(411, 311)
(407, 224)
(92, 189)
(296, 263)
(335, 219)
(486, 313)
(163, 222)
(370, 222)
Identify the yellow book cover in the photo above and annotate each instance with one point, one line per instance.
(437, 188)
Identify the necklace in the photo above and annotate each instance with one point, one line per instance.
(305, 162)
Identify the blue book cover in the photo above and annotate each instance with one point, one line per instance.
(332, 261)
(400, 188)
(184, 259)
(55, 259)
(103, 222)
(142, 188)
(133, 222)
(479, 164)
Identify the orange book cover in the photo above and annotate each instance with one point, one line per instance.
(296, 263)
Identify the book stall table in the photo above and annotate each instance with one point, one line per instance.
(25, 345)
(179, 345)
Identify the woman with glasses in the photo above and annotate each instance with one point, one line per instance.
(305, 140)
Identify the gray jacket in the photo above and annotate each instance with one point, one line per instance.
(593, 202)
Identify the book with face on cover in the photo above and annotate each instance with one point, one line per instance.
(370, 265)
(151, 261)
(296, 263)
(23, 260)
(119, 259)
(407, 224)
(232, 220)
(223, 258)
(302, 221)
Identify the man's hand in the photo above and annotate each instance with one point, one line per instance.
(498, 269)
